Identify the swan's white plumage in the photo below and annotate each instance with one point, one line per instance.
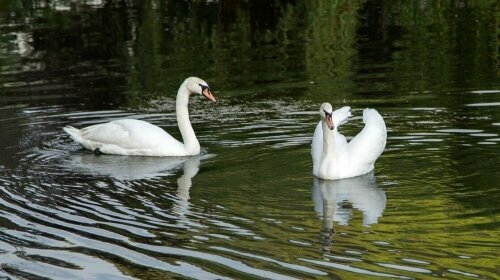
(136, 137)
(344, 159)
(339, 117)
(127, 137)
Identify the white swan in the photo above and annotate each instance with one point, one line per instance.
(136, 137)
(333, 157)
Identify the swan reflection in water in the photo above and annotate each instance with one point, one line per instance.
(184, 183)
(334, 200)
(132, 167)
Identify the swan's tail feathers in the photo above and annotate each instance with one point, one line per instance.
(74, 133)
(341, 116)
(371, 115)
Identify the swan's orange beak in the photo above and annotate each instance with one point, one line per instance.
(329, 121)
(208, 94)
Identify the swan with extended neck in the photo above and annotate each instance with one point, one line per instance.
(136, 137)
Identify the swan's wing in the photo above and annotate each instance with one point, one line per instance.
(369, 144)
(106, 133)
(317, 147)
(127, 134)
(341, 116)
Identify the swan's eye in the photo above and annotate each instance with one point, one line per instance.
(203, 87)
(326, 113)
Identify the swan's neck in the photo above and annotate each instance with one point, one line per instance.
(191, 144)
(328, 140)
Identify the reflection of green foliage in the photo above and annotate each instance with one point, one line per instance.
(182, 43)
(422, 47)
(331, 35)
(233, 50)
(290, 35)
(189, 46)
(145, 63)
(10, 6)
(161, 42)
(444, 44)
(18, 11)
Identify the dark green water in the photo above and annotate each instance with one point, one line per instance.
(249, 207)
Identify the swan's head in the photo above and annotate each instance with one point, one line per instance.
(326, 111)
(197, 85)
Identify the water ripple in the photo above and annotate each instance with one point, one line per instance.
(67, 209)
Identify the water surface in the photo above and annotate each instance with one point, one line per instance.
(248, 206)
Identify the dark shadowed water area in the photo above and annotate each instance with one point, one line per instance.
(248, 207)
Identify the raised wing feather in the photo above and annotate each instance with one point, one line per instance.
(369, 144)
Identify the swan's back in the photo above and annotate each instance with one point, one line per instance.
(127, 133)
(127, 137)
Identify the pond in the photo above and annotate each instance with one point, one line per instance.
(248, 206)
